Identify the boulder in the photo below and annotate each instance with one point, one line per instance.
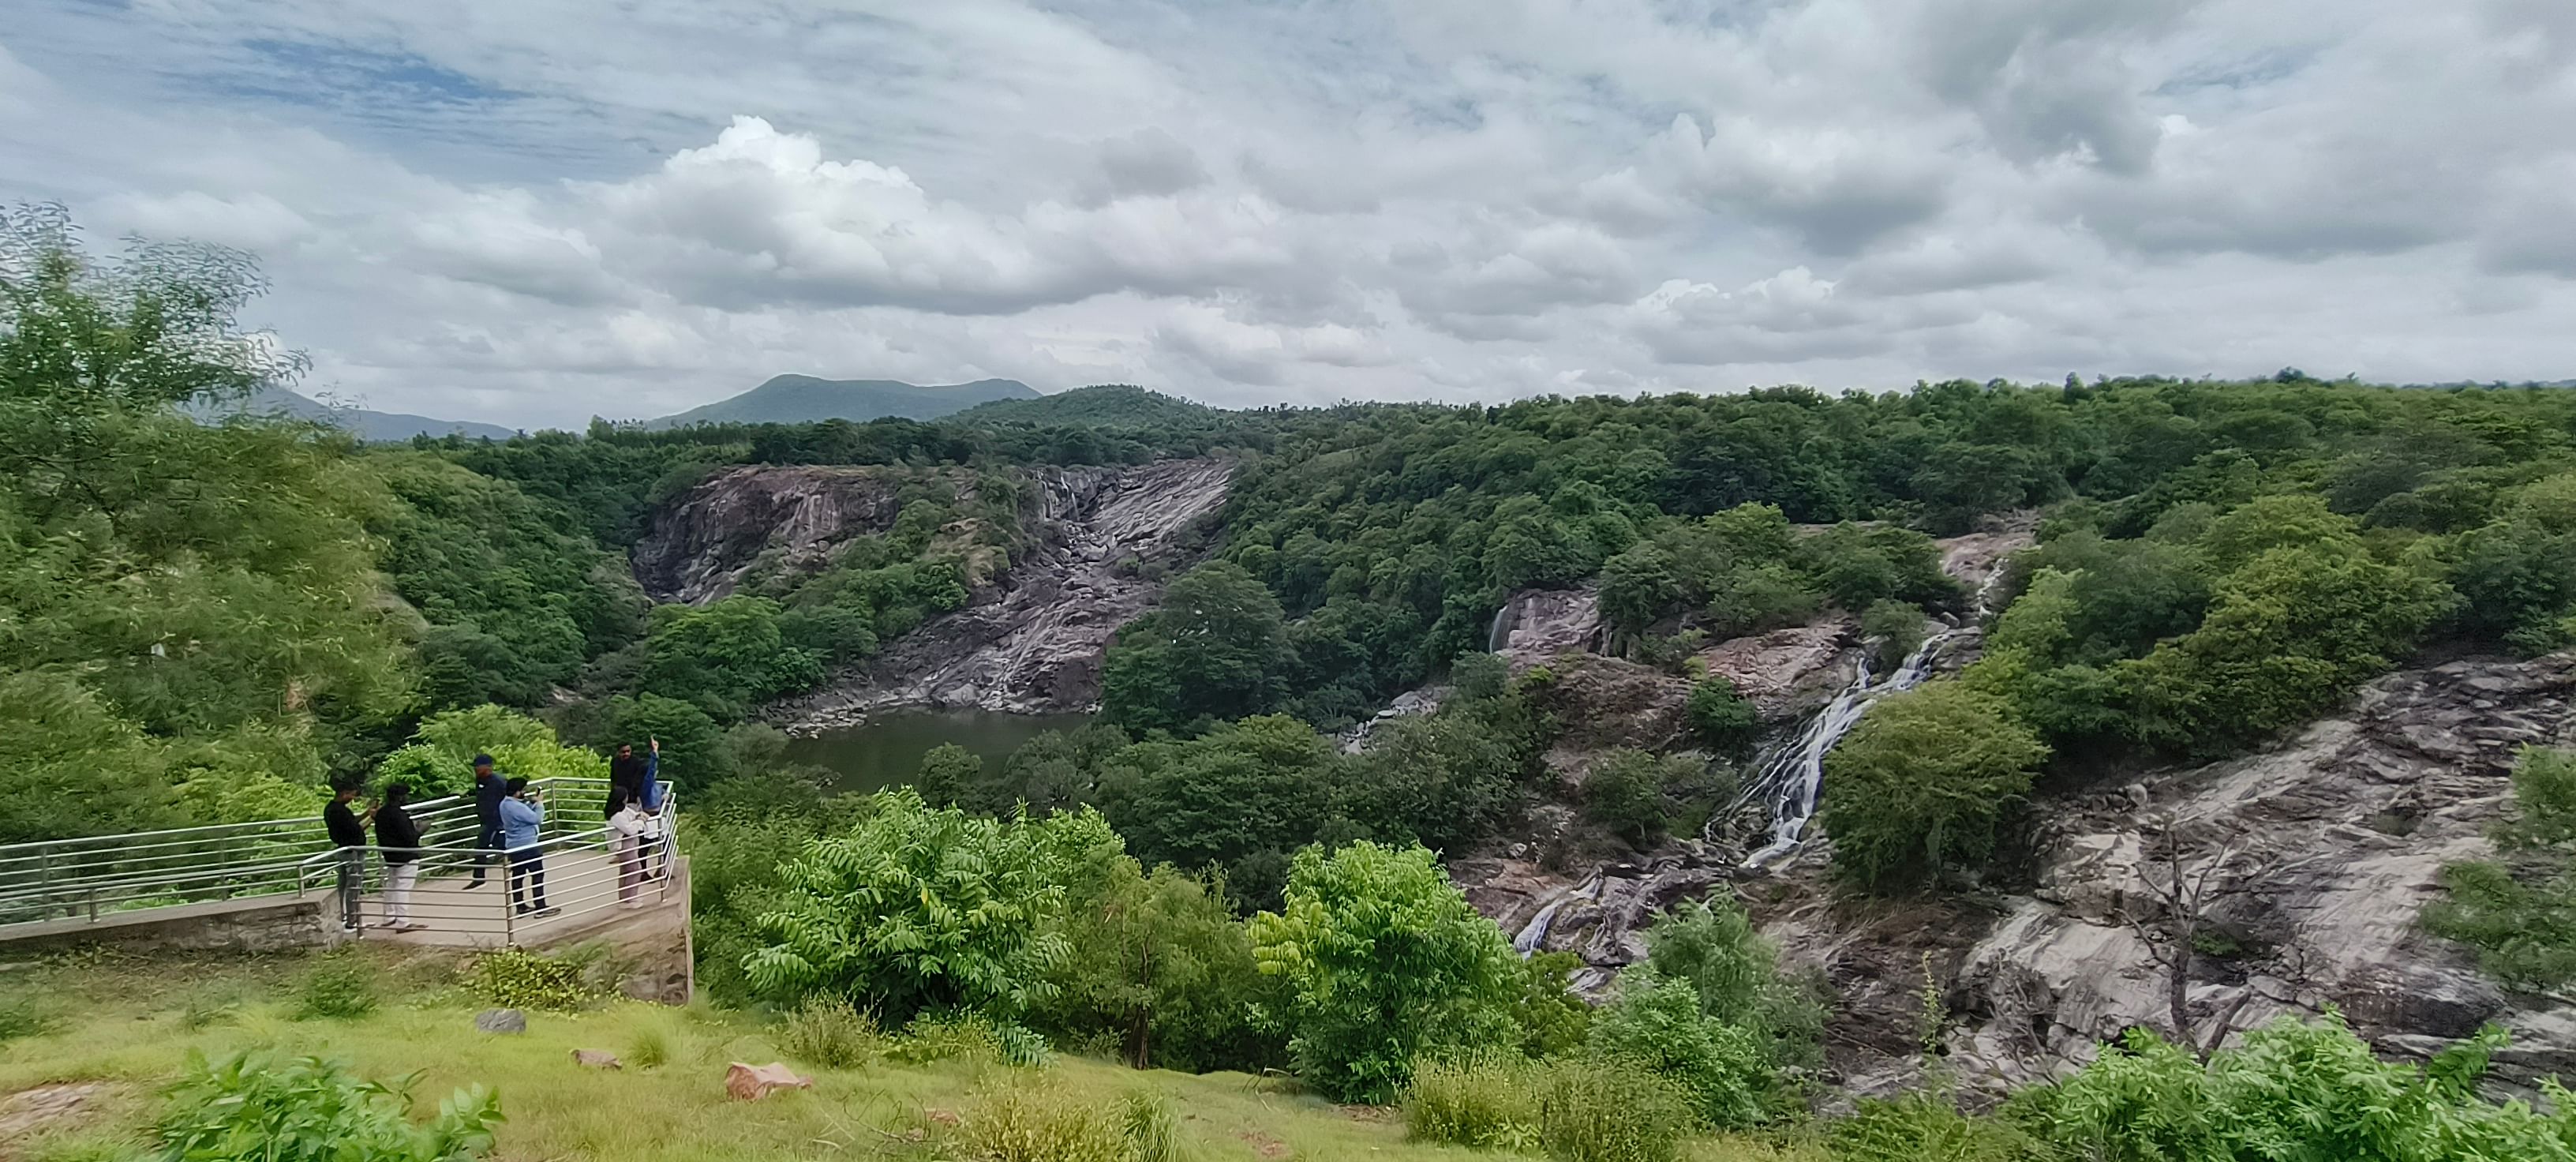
(596, 1059)
(753, 1082)
(501, 1021)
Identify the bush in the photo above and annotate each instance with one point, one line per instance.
(1656, 1026)
(1919, 785)
(1893, 628)
(832, 1033)
(1387, 962)
(1153, 1135)
(1926, 1127)
(1712, 946)
(1590, 1111)
(946, 1036)
(340, 985)
(1721, 718)
(924, 909)
(1022, 1121)
(2523, 925)
(1484, 1102)
(310, 1110)
(515, 978)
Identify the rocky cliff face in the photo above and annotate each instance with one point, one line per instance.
(1033, 640)
(2320, 854)
(704, 542)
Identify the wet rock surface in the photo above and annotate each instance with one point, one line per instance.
(703, 544)
(1032, 640)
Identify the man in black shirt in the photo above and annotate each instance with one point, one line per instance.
(349, 835)
(488, 793)
(625, 771)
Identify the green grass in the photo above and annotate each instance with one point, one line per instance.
(133, 1023)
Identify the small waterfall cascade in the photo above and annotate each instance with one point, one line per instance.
(1790, 774)
(1499, 634)
(1534, 933)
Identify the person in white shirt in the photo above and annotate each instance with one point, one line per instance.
(626, 826)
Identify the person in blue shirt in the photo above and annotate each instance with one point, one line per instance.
(522, 813)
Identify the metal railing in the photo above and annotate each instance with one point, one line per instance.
(94, 878)
(497, 894)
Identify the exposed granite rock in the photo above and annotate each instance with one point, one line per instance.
(704, 543)
(2338, 839)
(1033, 640)
(1788, 672)
(1602, 703)
(1537, 624)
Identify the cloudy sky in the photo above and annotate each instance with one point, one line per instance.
(530, 213)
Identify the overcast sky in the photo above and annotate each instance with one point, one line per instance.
(530, 213)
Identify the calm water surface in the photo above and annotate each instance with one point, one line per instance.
(887, 748)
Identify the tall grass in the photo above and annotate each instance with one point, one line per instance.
(1590, 1111)
(1152, 1133)
(831, 1033)
(341, 985)
(1484, 1102)
(1040, 1123)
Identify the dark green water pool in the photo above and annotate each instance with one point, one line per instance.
(887, 748)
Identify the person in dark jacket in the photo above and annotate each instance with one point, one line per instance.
(489, 790)
(398, 843)
(626, 772)
(349, 840)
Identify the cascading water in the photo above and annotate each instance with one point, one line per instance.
(1534, 933)
(1789, 775)
(1499, 634)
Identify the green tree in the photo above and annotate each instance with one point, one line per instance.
(1893, 629)
(2521, 915)
(1655, 1024)
(1712, 946)
(945, 774)
(1720, 718)
(1914, 793)
(727, 656)
(1385, 963)
(1161, 970)
(1244, 791)
(919, 909)
(1215, 650)
(1624, 793)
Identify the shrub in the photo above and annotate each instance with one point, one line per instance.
(1712, 946)
(310, 1110)
(924, 909)
(515, 978)
(1481, 1101)
(1926, 1127)
(2523, 926)
(1386, 962)
(1720, 717)
(1592, 1111)
(1153, 1135)
(832, 1033)
(649, 1046)
(943, 1036)
(340, 985)
(1920, 784)
(1023, 1121)
(1893, 628)
(1656, 1026)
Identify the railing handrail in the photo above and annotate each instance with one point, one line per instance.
(103, 873)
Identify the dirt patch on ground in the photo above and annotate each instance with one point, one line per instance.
(29, 1112)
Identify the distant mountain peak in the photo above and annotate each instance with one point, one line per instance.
(802, 399)
(371, 426)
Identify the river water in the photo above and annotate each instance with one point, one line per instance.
(887, 748)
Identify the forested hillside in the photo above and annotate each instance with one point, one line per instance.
(204, 622)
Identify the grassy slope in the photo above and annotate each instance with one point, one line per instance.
(130, 1023)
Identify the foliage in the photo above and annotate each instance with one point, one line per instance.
(1236, 799)
(1385, 962)
(1624, 793)
(1656, 1025)
(726, 656)
(515, 978)
(1720, 717)
(1553, 1020)
(1213, 650)
(1445, 779)
(439, 760)
(945, 774)
(2521, 917)
(338, 986)
(1161, 970)
(1924, 1126)
(973, 1036)
(1920, 784)
(1152, 1134)
(254, 1107)
(20, 1017)
(2298, 1089)
(832, 1033)
(1480, 1101)
(1600, 1112)
(1893, 628)
(917, 908)
(1019, 1120)
(1712, 946)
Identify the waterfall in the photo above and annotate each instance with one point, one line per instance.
(1789, 775)
(1499, 634)
(1534, 933)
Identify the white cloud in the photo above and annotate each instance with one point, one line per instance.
(529, 214)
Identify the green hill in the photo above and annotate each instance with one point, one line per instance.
(802, 399)
(1108, 405)
(370, 426)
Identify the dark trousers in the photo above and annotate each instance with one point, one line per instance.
(527, 881)
(353, 873)
(488, 839)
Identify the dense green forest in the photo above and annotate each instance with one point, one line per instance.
(205, 621)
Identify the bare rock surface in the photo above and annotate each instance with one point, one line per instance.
(701, 545)
(1787, 672)
(746, 1082)
(1535, 625)
(1033, 640)
(2333, 844)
